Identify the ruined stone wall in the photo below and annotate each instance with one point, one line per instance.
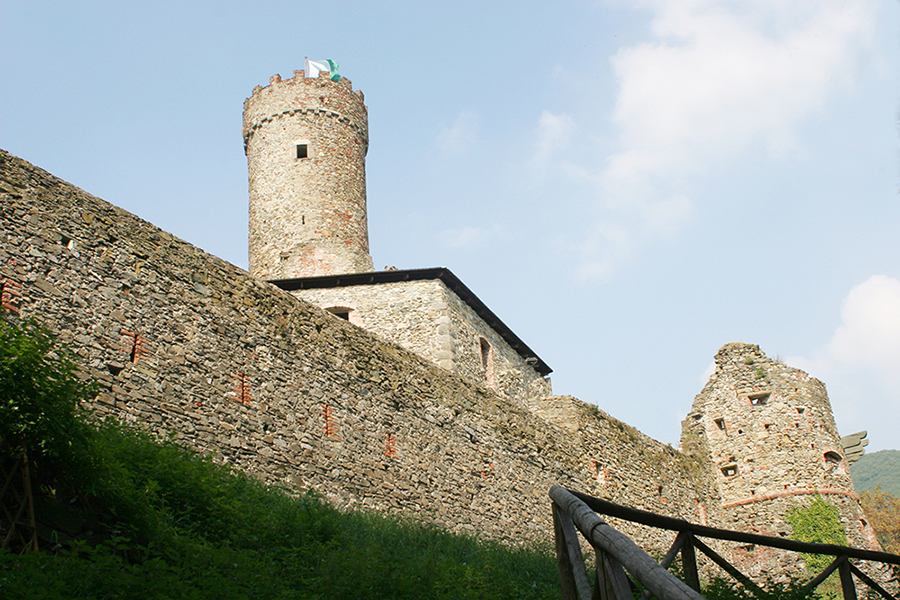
(617, 461)
(181, 341)
(766, 433)
(429, 319)
(307, 214)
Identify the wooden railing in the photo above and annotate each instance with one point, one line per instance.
(616, 553)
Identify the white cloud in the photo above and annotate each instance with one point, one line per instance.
(861, 363)
(869, 335)
(715, 79)
(460, 136)
(473, 237)
(554, 133)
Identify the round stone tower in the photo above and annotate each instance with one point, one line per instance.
(306, 141)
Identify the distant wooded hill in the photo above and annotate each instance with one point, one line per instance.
(879, 468)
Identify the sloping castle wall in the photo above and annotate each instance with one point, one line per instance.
(184, 342)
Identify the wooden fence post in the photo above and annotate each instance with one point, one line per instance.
(573, 578)
(689, 562)
(847, 580)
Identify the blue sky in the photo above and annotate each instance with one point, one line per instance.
(628, 185)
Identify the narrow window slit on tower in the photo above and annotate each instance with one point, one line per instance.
(720, 423)
(729, 470)
(302, 150)
(485, 353)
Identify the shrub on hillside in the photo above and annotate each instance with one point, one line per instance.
(40, 395)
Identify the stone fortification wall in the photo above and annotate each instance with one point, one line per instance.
(428, 318)
(618, 462)
(182, 341)
(766, 434)
(307, 213)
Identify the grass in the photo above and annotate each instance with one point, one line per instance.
(153, 520)
(123, 515)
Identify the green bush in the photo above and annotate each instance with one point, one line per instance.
(39, 395)
(820, 522)
(179, 526)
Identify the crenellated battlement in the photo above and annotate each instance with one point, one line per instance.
(300, 76)
(301, 95)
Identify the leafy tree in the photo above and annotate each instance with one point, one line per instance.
(883, 510)
(39, 394)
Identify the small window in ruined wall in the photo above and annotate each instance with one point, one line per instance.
(487, 362)
(832, 460)
(759, 398)
(302, 149)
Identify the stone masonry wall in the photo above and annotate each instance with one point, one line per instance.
(617, 462)
(429, 319)
(506, 372)
(184, 342)
(307, 214)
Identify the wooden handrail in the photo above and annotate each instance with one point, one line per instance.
(605, 539)
(615, 550)
(635, 515)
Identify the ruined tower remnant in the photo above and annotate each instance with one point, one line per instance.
(767, 435)
(306, 141)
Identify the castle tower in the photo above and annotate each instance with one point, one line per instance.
(306, 142)
(767, 434)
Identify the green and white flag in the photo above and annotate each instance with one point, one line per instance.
(313, 67)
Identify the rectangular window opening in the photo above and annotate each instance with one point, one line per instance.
(342, 313)
(302, 150)
(729, 470)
